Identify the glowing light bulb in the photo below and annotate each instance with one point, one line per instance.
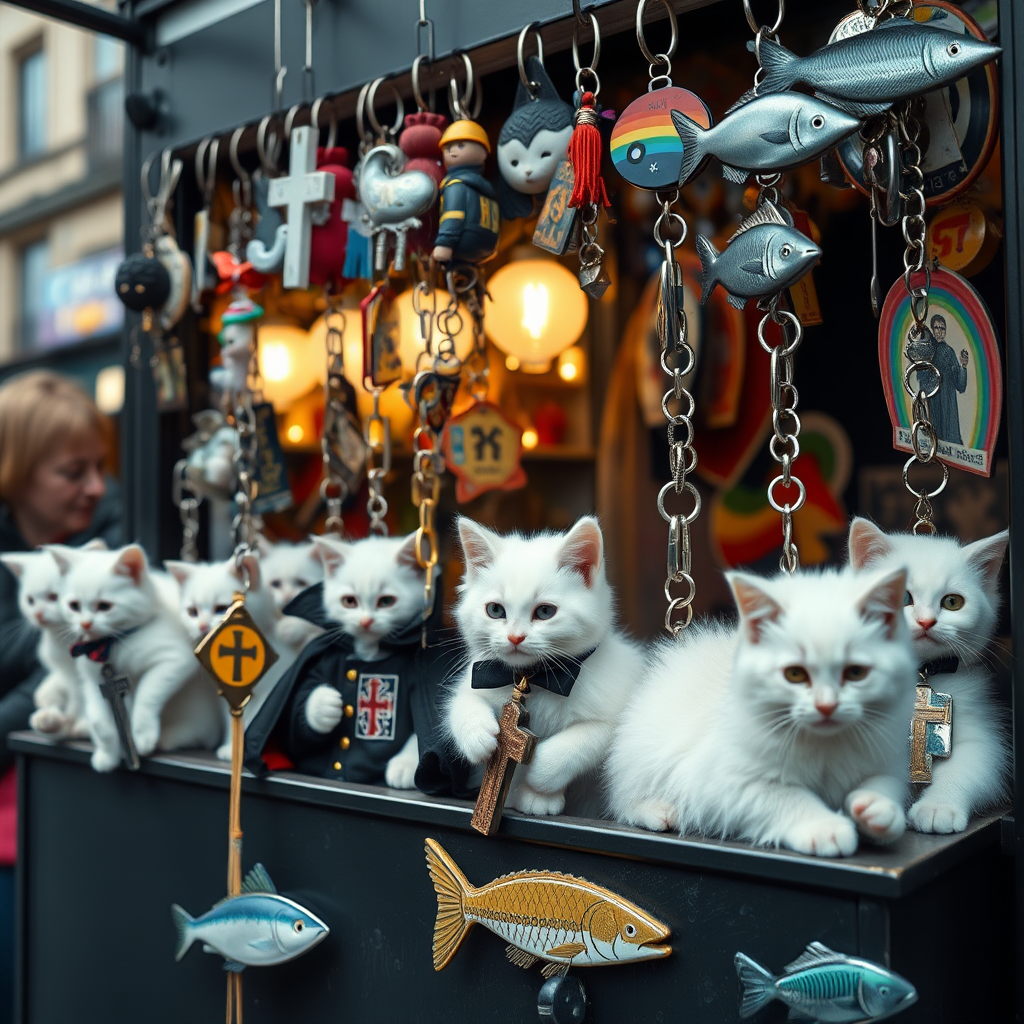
(572, 364)
(530, 438)
(535, 309)
(295, 433)
(276, 362)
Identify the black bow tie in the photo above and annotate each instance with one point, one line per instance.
(939, 667)
(489, 675)
(99, 650)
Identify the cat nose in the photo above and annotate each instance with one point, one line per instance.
(926, 624)
(87, 625)
(366, 623)
(516, 640)
(823, 709)
(39, 617)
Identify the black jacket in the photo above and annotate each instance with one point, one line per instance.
(20, 672)
(385, 701)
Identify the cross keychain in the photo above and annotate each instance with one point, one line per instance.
(931, 728)
(515, 746)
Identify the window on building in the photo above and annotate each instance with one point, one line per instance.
(106, 58)
(32, 104)
(35, 264)
(105, 105)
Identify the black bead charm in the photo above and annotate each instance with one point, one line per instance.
(562, 1000)
(142, 282)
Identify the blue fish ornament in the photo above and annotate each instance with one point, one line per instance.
(825, 987)
(257, 928)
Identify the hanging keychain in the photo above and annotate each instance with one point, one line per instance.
(206, 181)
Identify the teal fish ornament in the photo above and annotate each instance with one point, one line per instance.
(825, 987)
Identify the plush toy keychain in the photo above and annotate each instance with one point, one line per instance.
(533, 140)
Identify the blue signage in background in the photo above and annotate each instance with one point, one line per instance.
(79, 301)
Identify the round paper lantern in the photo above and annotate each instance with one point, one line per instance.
(536, 311)
(290, 362)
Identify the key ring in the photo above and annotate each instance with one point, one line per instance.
(657, 58)
(421, 104)
(206, 167)
(752, 21)
(289, 120)
(371, 115)
(590, 68)
(314, 120)
(269, 150)
(460, 104)
(531, 86)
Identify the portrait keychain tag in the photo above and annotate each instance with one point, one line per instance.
(959, 340)
(382, 361)
(273, 494)
(483, 449)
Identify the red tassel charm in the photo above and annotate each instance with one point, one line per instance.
(584, 154)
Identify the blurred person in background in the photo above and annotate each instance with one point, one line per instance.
(54, 445)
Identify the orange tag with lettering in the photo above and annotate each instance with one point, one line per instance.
(483, 451)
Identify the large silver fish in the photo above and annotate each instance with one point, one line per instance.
(770, 133)
(825, 986)
(764, 256)
(867, 73)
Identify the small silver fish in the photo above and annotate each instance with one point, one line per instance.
(257, 928)
(867, 73)
(764, 256)
(769, 133)
(825, 986)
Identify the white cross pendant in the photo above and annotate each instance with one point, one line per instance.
(303, 186)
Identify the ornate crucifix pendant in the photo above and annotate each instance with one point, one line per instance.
(114, 687)
(515, 746)
(930, 730)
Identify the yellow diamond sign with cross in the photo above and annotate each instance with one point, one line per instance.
(236, 654)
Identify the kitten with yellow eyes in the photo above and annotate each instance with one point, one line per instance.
(951, 607)
(789, 729)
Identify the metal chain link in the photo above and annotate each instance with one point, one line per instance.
(929, 379)
(333, 487)
(244, 528)
(677, 404)
(187, 501)
(377, 434)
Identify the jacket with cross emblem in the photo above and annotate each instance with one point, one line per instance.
(470, 217)
(384, 702)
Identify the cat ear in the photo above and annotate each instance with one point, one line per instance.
(756, 606)
(583, 549)
(63, 556)
(131, 562)
(16, 563)
(96, 544)
(987, 556)
(867, 543)
(332, 553)
(181, 571)
(479, 545)
(407, 554)
(885, 599)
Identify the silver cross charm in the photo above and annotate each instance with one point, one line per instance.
(304, 186)
(114, 687)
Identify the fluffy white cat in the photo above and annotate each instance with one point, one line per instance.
(58, 698)
(289, 568)
(207, 592)
(372, 588)
(952, 603)
(789, 729)
(527, 603)
(110, 594)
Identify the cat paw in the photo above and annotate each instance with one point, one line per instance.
(401, 772)
(479, 741)
(146, 734)
(324, 709)
(655, 815)
(223, 752)
(80, 730)
(47, 720)
(878, 817)
(930, 816)
(104, 761)
(531, 801)
(831, 835)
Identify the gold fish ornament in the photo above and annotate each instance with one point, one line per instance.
(542, 915)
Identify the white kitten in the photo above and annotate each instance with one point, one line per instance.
(289, 568)
(530, 602)
(952, 604)
(58, 698)
(372, 588)
(207, 592)
(788, 730)
(110, 594)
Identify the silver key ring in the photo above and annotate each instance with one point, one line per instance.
(651, 57)
(421, 104)
(532, 87)
(332, 126)
(460, 103)
(752, 21)
(592, 66)
(371, 115)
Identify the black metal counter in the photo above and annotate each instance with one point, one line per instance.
(102, 858)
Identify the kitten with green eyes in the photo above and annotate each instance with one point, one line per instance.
(951, 607)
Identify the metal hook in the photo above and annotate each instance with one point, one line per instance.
(279, 70)
(472, 93)
(314, 120)
(206, 167)
(752, 21)
(592, 66)
(532, 87)
(580, 19)
(656, 58)
(307, 69)
(269, 150)
(290, 120)
(240, 172)
(364, 135)
(421, 104)
(371, 114)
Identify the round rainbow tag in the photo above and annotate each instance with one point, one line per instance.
(646, 148)
(960, 342)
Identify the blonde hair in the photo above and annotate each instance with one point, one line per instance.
(38, 411)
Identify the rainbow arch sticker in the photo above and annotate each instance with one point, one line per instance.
(967, 409)
(645, 146)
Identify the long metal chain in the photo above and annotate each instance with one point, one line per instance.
(428, 465)
(333, 487)
(922, 434)
(187, 501)
(677, 360)
(377, 434)
(244, 527)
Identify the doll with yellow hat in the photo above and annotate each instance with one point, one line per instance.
(470, 220)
